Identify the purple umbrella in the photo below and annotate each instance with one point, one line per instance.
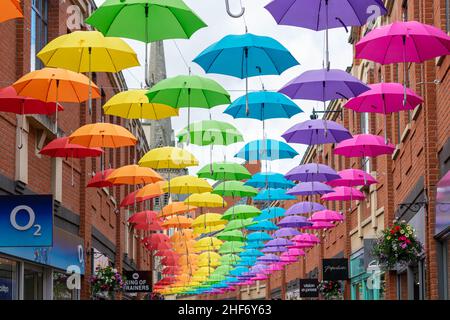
(279, 242)
(269, 258)
(274, 249)
(312, 172)
(304, 207)
(286, 232)
(324, 85)
(310, 188)
(294, 222)
(312, 132)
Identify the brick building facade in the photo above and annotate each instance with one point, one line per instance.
(91, 215)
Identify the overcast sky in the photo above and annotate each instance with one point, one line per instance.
(306, 46)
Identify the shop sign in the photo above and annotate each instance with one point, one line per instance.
(309, 288)
(26, 221)
(335, 269)
(138, 281)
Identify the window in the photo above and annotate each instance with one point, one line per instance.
(38, 31)
(8, 279)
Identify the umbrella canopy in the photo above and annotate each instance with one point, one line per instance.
(319, 225)
(305, 207)
(133, 175)
(224, 171)
(11, 102)
(187, 184)
(231, 235)
(149, 226)
(384, 98)
(234, 189)
(273, 195)
(175, 208)
(229, 259)
(189, 92)
(403, 41)
(89, 51)
(150, 191)
(210, 132)
(279, 242)
(99, 180)
(208, 219)
(327, 216)
(143, 217)
(202, 230)
(241, 212)
(259, 236)
(205, 200)
(145, 20)
(343, 194)
(134, 104)
(286, 232)
(324, 85)
(55, 85)
(269, 180)
(294, 222)
(61, 148)
(245, 56)
(168, 158)
(238, 224)
(310, 188)
(208, 244)
(312, 172)
(266, 149)
(268, 258)
(352, 178)
(364, 145)
(320, 15)
(182, 237)
(262, 106)
(270, 213)
(306, 238)
(10, 10)
(177, 222)
(312, 132)
(231, 247)
(103, 135)
(264, 225)
(251, 253)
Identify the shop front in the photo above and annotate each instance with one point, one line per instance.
(442, 235)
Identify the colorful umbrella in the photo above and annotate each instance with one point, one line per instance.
(187, 185)
(306, 238)
(266, 149)
(177, 222)
(343, 194)
(313, 132)
(279, 242)
(210, 132)
(352, 178)
(364, 145)
(309, 189)
(205, 200)
(99, 180)
(269, 180)
(175, 208)
(224, 171)
(168, 158)
(304, 208)
(264, 225)
(258, 236)
(251, 253)
(319, 225)
(231, 235)
(103, 135)
(286, 232)
(150, 191)
(234, 189)
(133, 175)
(270, 214)
(10, 10)
(143, 217)
(238, 224)
(208, 244)
(312, 172)
(231, 247)
(294, 222)
(241, 212)
(134, 104)
(327, 216)
(268, 258)
(273, 195)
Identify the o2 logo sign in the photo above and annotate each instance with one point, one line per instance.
(26, 221)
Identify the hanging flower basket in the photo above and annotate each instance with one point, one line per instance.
(106, 283)
(398, 246)
(331, 290)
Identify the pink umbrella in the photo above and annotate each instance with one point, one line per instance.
(352, 178)
(344, 194)
(259, 277)
(301, 245)
(306, 238)
(327, 216)
(295, 252)
(320, 225)
(364, 145)
(288, 258)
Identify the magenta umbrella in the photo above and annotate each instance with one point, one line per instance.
(296, 252)
(327, 216)
(343, 194)
(352, 178)
(320, 225)
(364, 145)
(306, 238)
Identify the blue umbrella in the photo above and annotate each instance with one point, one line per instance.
(266, 149)
(247, 262)
(269, 180)
(238, 271)
(256, 237)
(251, 253)
(262, 106)
(262, 225)
(270, 213)
(272, 195)
(254, 245)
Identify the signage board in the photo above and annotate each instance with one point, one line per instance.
(335, 269)
(26, 221)
(309, 288)
(138, 281)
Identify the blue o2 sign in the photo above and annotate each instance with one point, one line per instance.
(26, 221)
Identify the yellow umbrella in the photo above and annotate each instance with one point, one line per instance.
(203, 271)
(208, 263)
(134, 104)
(208, 244)
(168, 158)
(209, 255)
(187, 184)
(205, 200)
(133, 175)
(102, 135)
(208, 220)
(209, 229)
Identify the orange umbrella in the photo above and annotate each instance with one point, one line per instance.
(10, 10)
(177, 222)
(103, 135)
(151, 190)
(133, 175)
(176, 208)
(185, 235)
(55, 85)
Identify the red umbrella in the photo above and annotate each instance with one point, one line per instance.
(143, 217)
(151, 226)
(13, 103)
(157, 241)
(61, 148)
(99, 180)
(131, 198)
(171, 270)
(166, 281)
(170, 260)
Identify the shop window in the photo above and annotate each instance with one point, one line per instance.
(60, 289)
(8, 279)
(38, 31)
(33, 283)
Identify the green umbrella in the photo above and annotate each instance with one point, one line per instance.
(234, 189)
(231, 247)
(224, 171)
(146, 21)
(231, 235)
(214, 278)
(241, 212)
(223, 269)
(210, 132)
(239, 224)
(230, 259)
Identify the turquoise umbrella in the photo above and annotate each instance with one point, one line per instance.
(269, 180)
(266, 149)
(273, 195)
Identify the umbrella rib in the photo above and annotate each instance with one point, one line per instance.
(81, 58)
(111, 58)
(386, 52)
(214, 60)
(74, 90)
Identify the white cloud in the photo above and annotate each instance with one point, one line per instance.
(306, 45)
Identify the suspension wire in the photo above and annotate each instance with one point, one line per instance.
(182, 56)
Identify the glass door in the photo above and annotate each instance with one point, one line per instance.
(33, 283)
(8, 279)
